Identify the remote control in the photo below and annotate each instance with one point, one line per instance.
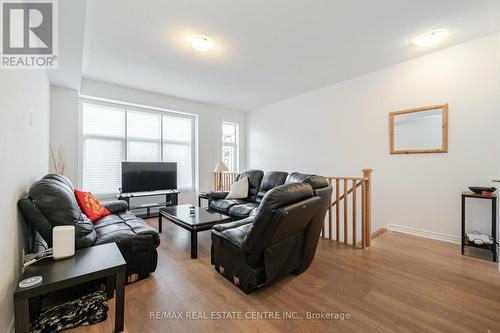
(30, 282)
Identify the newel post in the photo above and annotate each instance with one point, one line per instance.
(367, 175)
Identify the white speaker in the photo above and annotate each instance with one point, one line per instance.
(63, 241)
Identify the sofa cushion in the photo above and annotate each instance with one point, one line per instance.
(223, 206)
(123, 226)
(269, 181)
(90, 206)
(113, 219)
(239, 189)
(244, 210)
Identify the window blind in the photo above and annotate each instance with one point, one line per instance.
(103, 148)
(177, 147)
(112, 135)
(143, 137)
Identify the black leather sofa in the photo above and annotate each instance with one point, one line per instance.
(278, 237)
(259, 184)
(51, 202)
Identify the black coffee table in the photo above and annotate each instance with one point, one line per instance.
(201, 220)
(87, 264)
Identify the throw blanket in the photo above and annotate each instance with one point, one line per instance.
(86, 310)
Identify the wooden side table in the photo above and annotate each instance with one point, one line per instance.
(86, 265)
(465, 241)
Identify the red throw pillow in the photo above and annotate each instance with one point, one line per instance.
(90, 206)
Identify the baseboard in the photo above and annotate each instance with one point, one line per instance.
(378, 233)
(10, 329)
(424, 233)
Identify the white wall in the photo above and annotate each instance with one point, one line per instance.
(65, 118)
(23, 160)
(339, 129)
(64, 128)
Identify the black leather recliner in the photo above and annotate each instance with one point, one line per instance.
(279, 237)
(51, 202)
(323, 190)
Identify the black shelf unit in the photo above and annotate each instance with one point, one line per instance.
(464, 240)
(171, 199)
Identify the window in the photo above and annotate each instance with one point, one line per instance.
(112, 134)
(103, 148)
(178, 147)
(230, 146)
(143, 137)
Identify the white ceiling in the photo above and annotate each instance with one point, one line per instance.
(266, 50)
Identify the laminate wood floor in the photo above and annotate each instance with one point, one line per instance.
(401, 284)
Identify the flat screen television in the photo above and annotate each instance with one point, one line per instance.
(148, 176)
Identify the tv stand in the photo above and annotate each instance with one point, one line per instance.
(171, 199)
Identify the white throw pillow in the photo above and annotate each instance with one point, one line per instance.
(239, 189)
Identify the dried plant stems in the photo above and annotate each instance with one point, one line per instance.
(58, 159)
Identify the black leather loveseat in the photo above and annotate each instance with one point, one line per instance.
(279, 236)
(258, 185)
(51, 202)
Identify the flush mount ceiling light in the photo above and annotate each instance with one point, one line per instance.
(431, 38)
(200, 43)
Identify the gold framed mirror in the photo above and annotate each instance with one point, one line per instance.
(419, 131)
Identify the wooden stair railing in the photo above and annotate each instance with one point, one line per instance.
(224, 180)
(350, 186)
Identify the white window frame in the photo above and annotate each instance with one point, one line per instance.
(138, 108)
(235, 145)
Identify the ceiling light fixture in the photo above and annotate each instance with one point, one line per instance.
(200, 43)
(431, 38)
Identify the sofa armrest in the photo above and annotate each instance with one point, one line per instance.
(214, 195)
(224, 226)
(116, 206)
(234, 236)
